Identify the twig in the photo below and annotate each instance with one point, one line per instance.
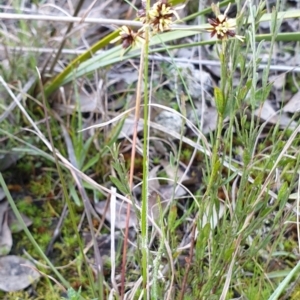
(102, 21)
(57, 230)
(18, 98)
(136, 121)
(62, 44)
(189, 262)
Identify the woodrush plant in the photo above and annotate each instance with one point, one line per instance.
(221, 95)
(219, 248)
(158, 18)
(84, 64)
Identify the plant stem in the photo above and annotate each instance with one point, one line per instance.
(215, 161)
(144, 220)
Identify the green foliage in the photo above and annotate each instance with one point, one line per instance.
(72, 294)
(227, 184)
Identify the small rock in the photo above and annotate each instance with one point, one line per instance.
(170, 121)
(196, 81)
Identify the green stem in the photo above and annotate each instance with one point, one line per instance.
(221, 104)
(144, 221)
(215, 162)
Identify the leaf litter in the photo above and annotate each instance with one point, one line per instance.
(159, 198)
(16, 273)
(161, 194)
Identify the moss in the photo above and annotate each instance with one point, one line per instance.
(296, 293)
(41, 186)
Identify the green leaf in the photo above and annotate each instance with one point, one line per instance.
(91, 162)
(120, 186)
(74, 194)
(219, 100)
(242, 93)
(73, 295)
(201, 244)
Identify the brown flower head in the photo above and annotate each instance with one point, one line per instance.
(160, 16)
(222, 26)
(128, 37)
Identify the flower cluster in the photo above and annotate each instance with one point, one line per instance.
(222, 26)
(129, 37)
(161, 16)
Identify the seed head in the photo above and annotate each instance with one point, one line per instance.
(160, 16)
(222, 26)
(128, 37)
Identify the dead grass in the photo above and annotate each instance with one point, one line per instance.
(212, 232)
